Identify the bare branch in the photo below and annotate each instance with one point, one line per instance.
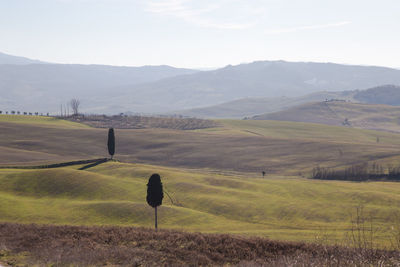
(74, 103)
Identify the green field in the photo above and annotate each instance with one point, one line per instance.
(204, 195)
(279, 208)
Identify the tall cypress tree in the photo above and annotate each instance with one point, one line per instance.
(155, 194)
(111, 142)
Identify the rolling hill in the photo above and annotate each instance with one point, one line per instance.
(248, 107)
(115, 194)
(357, 115)
(282, 148)
(211, 176)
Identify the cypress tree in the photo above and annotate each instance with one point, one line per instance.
(111, 142)
(155, 194)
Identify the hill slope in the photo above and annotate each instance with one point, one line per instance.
(209, 189)
(115, 194)
(364, 116)
(237, 145)
(248, 107)
(14, 60)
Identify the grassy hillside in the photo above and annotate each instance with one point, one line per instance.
(214, 184)
(114, 194)
(364, 116)
(280, 148)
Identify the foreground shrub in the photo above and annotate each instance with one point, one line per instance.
(127, 246)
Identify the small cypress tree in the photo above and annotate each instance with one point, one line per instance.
(111, 142)
(155, 194)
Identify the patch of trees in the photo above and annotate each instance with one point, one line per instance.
(358, 173)
(123, 121)
(75, 103)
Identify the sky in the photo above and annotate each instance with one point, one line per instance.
(202, 33)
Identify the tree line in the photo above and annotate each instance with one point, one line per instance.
(73, 103)
(358, 173)
(13, 112)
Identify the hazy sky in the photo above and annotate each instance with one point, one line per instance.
(202, 33)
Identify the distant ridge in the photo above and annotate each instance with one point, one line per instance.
(15, 60)
(32, 85)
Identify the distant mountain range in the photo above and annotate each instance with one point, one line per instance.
(162, 89)
(26, 85)
(258, 79)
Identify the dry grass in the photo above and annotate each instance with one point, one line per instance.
(363, 116)
(126, 246)
(248, 146)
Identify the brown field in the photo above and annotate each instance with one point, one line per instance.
(285, 152)
(27, 245)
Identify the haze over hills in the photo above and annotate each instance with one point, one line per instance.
(385, 94)
(161, 89)
(248, 107)
(257, 79)
(43, 87)
(341, 113)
